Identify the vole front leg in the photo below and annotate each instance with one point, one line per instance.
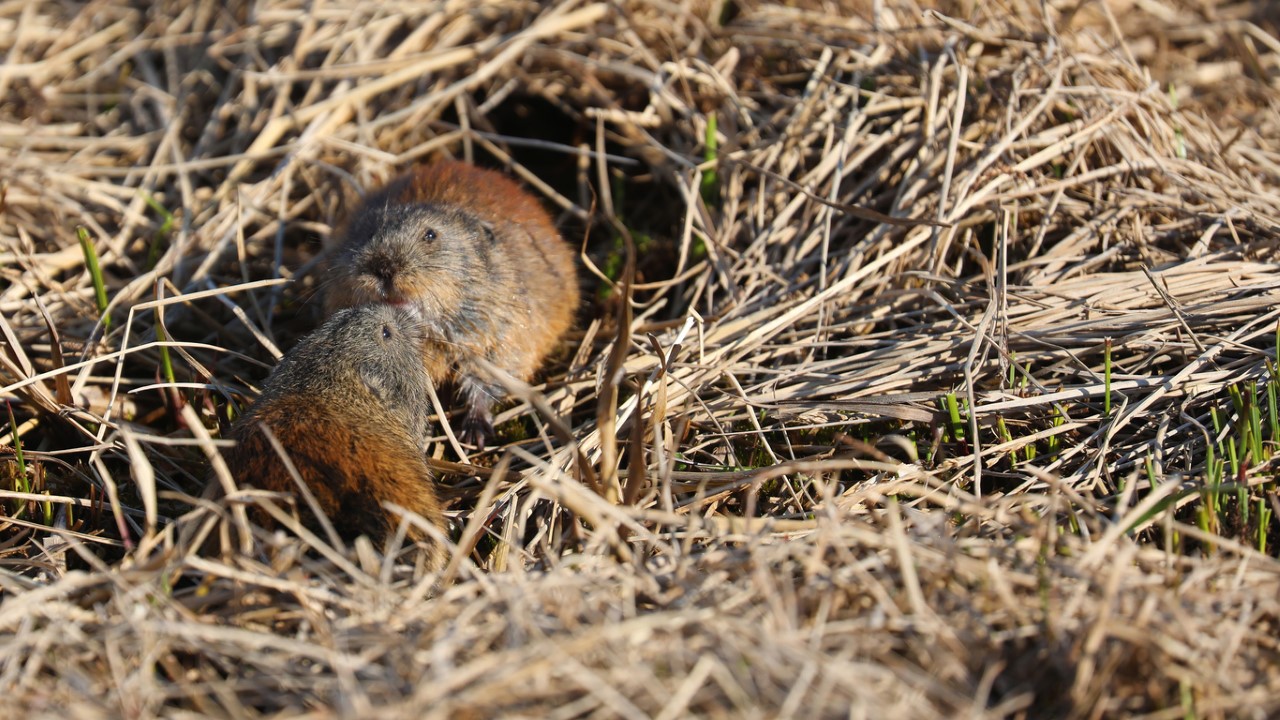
(478, 397)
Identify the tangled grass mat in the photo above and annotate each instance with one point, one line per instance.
(925, 368)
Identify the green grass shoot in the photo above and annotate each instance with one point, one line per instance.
(952, 407)
(1264, 522)
(711, 177)
(161, 234)
(1054, 442)
(95, 272)
(1273, 412)
(20, 483)
(166, 362)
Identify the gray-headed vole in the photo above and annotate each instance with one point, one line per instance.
(349, 404)
(480, 260)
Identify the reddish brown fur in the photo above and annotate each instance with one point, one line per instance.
(350, 467)
(492, 195)
(348, 405)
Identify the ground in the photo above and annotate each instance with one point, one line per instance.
(925, 365)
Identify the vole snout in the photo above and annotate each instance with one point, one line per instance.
(381, 276)
(383, 270)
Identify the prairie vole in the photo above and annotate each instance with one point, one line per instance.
(349, 404)
(480, 260)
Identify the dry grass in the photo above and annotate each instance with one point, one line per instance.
(740, 491)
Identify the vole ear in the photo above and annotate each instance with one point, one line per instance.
(386, 385)
(374, 377)
(488, 231)
(375, 383)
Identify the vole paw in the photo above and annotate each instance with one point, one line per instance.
(477, 428)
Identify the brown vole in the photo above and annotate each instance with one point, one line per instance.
(480, 260)
(349, 405)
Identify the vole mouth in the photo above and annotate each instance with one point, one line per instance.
(392, 297)
(409, 309)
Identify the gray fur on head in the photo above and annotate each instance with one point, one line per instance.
(442, 241)
(440, 257)
(363, 354)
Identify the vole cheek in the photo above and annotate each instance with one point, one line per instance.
(370, 288)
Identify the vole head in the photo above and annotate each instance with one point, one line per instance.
(423, 254)
(364, 357)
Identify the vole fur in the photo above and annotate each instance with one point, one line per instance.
(481, 261)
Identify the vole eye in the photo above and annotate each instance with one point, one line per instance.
(386, 332)
(431, 234)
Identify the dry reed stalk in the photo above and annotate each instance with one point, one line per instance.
(735, 493)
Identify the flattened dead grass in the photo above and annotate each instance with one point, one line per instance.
(937, 383)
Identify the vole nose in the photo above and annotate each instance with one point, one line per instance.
(383, 270)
